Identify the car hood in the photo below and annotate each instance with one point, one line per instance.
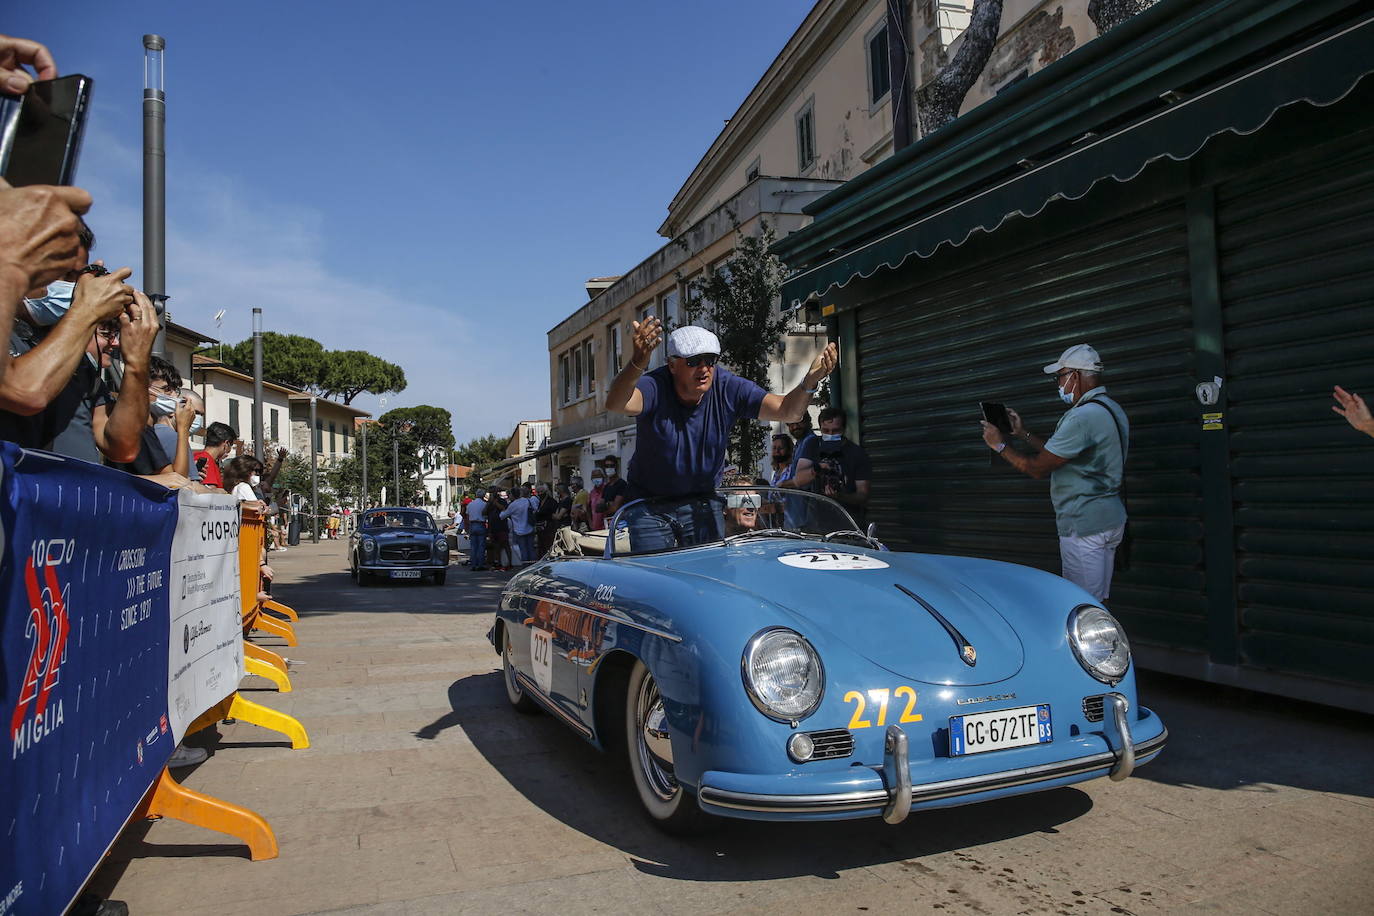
(910, 633)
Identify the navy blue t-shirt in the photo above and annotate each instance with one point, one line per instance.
(680, 449)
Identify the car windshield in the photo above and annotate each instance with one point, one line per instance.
(398, 518)
(731, 515)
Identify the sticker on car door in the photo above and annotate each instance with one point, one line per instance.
(541, 658)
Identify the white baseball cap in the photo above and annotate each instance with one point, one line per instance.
(1079, 356)
(692, 341)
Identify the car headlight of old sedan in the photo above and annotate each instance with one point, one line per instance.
(783, 674)
(441, 546)
(369, 546)
(1099, 643)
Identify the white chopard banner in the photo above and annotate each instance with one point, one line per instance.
(205, 654)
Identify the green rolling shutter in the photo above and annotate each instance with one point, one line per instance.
(982, 328)
(1295, 244)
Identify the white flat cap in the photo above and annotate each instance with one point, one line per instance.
(1079, 356)
(692, 341)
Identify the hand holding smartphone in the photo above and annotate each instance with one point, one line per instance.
(996, 414)
(41, 131)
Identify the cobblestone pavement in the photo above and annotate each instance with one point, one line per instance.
(422, 792)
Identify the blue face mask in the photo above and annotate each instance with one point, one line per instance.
(197, 425)
(164, 406)
(1065, 396)
(49, 310)
(831, 437)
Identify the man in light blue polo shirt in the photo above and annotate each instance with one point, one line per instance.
(1085, 460)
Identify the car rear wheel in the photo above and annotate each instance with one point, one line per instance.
(514, 692)
(671, 806)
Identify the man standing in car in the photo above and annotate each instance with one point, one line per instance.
(684, 410)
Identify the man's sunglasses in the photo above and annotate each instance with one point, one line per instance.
(705, 359)
(95, 270)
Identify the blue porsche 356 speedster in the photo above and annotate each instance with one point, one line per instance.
(757, 656)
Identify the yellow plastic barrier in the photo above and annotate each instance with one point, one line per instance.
(266, 663)
(169, 798)
(251, 540)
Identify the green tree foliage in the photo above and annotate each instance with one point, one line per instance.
(290, 359)
(348, 373)
(481, 453)
(739, 301)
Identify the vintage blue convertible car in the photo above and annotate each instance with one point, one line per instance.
(757, 656)
(396, 543)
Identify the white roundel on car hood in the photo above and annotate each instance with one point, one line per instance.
(825, 559)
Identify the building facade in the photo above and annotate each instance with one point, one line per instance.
(228, 396)
(335, 428)
(820, 115)
(1189, 194)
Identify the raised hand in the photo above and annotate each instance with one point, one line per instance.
(103, 297)
(137, 330)
(15, 53)
(824, 364)
(648, 334)
(38, 231)
(1017, 427)
(1356, 412)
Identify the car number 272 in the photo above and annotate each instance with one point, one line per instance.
(881, 697)
(541, 658)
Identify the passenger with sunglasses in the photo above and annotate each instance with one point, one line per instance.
(684, 410)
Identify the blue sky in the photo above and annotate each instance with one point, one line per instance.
(429, 181)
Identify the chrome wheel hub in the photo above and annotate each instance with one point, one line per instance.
(655, 748)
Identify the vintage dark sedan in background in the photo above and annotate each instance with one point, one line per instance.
(396, 543)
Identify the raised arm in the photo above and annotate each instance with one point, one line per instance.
(623, 396)
(789, 409)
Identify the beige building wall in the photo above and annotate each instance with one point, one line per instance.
(755, 169)
(228, 399)
(335, 428)
(825, 66)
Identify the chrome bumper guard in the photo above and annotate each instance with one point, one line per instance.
(895, 802)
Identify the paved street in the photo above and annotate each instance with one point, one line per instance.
(424, 793)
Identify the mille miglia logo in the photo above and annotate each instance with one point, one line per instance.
(47, 630)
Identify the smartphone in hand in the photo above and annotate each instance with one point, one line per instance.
(996, 414)
(41, 131)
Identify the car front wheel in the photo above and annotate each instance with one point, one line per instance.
(671, 806)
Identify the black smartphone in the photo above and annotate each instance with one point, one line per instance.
(41, 131)
(996, 414)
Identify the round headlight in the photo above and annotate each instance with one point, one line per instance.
(783, 675)
(369, 545)
(441, 543)
(1099, 643)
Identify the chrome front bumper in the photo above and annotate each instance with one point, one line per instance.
(896, 800)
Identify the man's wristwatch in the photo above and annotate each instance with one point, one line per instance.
(1001, 446)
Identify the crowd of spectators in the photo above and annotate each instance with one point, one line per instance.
(80, 377)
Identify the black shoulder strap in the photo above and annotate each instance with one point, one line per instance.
(1121, 443)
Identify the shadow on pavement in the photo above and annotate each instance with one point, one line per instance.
(1228, 738)
(592, 793)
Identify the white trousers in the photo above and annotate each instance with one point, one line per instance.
(1089, 560)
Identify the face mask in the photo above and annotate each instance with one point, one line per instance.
(831, 437)
(197, 424)
(596, 482)
(1065, 396)
(254, 480)
(164, 406)
(49, 310)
